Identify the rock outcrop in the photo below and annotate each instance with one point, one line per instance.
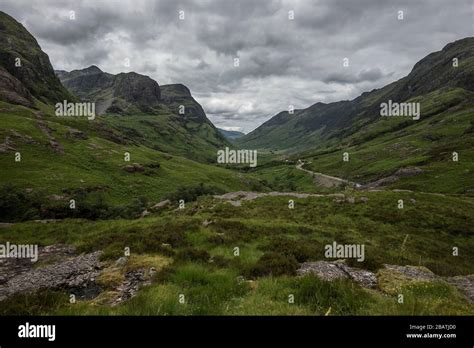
(338, 270)
(121, 93)
(66, 272)
(388, 279)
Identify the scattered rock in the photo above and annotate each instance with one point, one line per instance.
(131, 285)
(75, 272)
(465, 284)
(400, 173)
(155, 165)
(56, 197)
(235, 198)
(392, 278)
(413, 272)
(161, 204)
(59, 267)
(361, 276)
(7, 145)
(43, 126)
(206, 222)
(121, 261)
(323, 269)
(75, 133)
(152, 271)
(134, 168)
(47, 221)
(330, 271)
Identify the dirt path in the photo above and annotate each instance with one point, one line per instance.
(332, 181)
(236, 197)
(326, 180)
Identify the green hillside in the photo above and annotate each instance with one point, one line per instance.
(67, 157)
(322, 125)
(103, 198)
(378, 146)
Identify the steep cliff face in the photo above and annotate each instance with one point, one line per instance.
(27, 71)
(176, 95)
(121, 93)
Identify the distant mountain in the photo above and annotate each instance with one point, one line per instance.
(230, 135)
(121, 93)
(25, 70)
(327, 124)
(166, 118)
(163, 118)
(176, 95)
(163, 129)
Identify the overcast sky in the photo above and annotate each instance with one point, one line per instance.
(282, 61)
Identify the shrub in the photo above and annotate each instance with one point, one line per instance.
(301, 250)
(193, 254)
(274, 264)
(229, 232)
(191, 193)
(17, 205)
(38, 303)
(341, 295)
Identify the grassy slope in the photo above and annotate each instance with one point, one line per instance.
(445, 126)
(430, 225)
(430, 228)
(96, 161)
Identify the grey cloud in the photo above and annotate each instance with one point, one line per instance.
(282, 61)
(370, 75)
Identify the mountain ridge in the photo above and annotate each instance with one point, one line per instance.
(164, 118)
(326, 121)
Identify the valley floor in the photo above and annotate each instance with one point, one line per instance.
(255, 257)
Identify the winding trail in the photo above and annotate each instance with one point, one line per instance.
(326, 180)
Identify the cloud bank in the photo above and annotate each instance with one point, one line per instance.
(289, 52)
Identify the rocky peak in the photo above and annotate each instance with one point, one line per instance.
(93, 69)
(121, 93)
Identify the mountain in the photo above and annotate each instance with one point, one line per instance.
(83, 189)
(394, 152)
(25, 70)
(165, 118)
(121, 93)
(27, 77)
(129, 93)
(230, 135)
(176, 95)
(324, 124)
(84, 158)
